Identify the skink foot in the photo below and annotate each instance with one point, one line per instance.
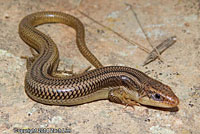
(120, 96)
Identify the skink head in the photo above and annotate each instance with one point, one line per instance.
(155, 93)
(152, 92)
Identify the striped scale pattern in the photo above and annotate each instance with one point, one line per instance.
(42, 85)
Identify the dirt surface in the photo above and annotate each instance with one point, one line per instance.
(160, 19)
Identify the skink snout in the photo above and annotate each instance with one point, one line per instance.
(174, 101)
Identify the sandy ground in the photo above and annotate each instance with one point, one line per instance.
(160, 19)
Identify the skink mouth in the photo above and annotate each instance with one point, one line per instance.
(171, 102)
(175, 101)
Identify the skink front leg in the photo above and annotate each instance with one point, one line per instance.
(118, 95)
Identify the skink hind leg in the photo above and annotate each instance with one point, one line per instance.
(70, 72)
(60, 73)
(120, 96)
(30, 60)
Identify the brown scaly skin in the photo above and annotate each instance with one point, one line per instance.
(44, 84)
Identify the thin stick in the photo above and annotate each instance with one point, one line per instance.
(124, 38)
(138, 21)
(198, 11)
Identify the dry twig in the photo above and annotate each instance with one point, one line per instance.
(124, 38)
(160, 48)
(138, 21)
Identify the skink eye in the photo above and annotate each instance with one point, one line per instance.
(157, 97)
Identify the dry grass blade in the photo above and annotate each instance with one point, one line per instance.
(147, 38)
(124, 38)
(160, 48)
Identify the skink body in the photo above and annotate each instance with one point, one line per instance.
(119, 84)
